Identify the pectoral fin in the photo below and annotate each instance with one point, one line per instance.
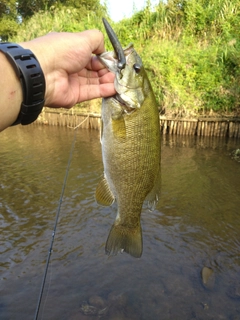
(153, 196)
(103, 193)
(119, 129)
(118, 122)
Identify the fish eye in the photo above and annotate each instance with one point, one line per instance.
(137, 67)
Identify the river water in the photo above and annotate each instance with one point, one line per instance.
(195, 225)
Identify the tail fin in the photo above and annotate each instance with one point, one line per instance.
(122, 238)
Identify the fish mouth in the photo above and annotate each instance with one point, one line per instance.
(125, 107)
(116, 45)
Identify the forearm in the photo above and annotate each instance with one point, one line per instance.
(71, 70)
(11, 93)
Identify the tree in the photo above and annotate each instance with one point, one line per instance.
(8, 8)
(8, 19)
(27, 8)
(13, 13)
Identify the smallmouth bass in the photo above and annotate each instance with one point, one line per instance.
(130, 139)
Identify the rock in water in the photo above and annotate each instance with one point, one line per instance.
(97, 302)
(208, 277)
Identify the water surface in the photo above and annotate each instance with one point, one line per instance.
(196, 224)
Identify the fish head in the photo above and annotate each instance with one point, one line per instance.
(130, 76)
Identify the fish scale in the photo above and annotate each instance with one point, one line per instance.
(130, 139)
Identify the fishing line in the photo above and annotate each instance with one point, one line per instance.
(55, 227)
(47, 289)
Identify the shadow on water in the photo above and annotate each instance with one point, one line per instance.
(195, 225)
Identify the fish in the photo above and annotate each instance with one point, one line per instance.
(131, 149)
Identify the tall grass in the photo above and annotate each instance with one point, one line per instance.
(65, 19)
(191, 49)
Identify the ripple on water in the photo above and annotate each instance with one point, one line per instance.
(196, 224)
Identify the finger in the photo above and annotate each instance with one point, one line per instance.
(102, 72)
(95, 64)
(96, 91)
(87, 81)
(103, 75)
(107, 90)
(106, 77)
(88, 74)
(95, 40)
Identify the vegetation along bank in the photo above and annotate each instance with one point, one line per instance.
(191, 50)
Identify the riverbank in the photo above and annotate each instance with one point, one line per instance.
(199, 126)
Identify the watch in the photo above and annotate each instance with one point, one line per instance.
(32, 80)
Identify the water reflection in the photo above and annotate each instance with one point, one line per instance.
(196, 224)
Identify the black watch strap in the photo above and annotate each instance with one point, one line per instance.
(32, 80)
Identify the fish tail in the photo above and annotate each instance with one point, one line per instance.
(122, 238)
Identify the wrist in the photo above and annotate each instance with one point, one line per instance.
(31, 77)
(12, 96)
(43, 58)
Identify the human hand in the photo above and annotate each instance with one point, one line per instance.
(72, 73)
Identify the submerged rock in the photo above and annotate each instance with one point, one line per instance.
(235, 154)
(90, 310)
(87, 309)
(208, 277)
(97, 301)
(114, 307)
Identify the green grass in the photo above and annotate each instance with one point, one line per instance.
(191, 49)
